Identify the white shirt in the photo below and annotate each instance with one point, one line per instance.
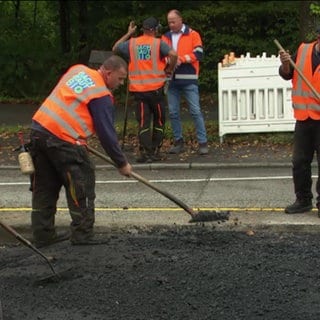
(176, 36)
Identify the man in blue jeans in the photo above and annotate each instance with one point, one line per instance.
(187, 42)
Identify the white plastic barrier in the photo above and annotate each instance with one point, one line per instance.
(253, 97)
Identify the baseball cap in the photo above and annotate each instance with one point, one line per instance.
(150, 24)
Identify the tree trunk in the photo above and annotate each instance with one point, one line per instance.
(83, 38)
(35, 13)
(306, 26)
(64, 25)
(17, 9)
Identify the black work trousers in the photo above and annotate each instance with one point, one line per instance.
(151, 117)
(58, 163)
(306, 143)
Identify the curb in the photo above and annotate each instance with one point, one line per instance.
(185, 166)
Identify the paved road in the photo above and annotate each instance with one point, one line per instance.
(254, 196)
(16, 114)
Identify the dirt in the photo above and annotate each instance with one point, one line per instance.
(234, 149)
(191, 272)
(230, 152)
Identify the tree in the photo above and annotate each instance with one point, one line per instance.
(41, 39)
(64, 13)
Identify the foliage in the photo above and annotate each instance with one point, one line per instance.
(212, 126)
(32, 57)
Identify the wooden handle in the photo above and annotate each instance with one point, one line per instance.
(15, 233)
(315, 92)
(146, 182)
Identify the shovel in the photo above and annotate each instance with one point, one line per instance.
(200, 216)
(308, 83)
(1, 314)
(55, 276)
(125, 116)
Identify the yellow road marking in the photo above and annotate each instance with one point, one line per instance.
(234, 209)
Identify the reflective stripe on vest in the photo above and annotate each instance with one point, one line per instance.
(186, 76)
(146, 69)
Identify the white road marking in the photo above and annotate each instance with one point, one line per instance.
(172, 180)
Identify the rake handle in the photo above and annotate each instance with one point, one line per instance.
(315, 92)
(146, 182)
(125, 115)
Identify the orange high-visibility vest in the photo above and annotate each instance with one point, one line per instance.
(146, 68)
(304, 102)
(65, 111)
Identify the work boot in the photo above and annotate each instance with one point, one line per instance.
(178, 147)
(91, 241)
(58, 237)
(318, 208)
(203, 148)
(299, 206)
(157, 155)
(144, 158)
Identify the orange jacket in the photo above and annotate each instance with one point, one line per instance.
(190, 52)
(64, 112)
(305, 104)
(146, 68)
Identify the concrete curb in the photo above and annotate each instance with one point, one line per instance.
(186, 166)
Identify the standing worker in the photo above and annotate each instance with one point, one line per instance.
(147, 75)
(306, 108)
(187, 42)
(80, 105)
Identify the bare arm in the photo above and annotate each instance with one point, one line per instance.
(285, 61)
(131, 30)
(172, 62)
(285, 69)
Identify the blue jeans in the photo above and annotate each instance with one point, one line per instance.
(191, 94)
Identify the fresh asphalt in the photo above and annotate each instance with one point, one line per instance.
(249, 220)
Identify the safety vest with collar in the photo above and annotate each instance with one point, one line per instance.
(146, 68)
(65, 111)
(304, 102)
(190, 52)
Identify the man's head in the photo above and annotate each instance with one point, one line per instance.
(150, 24)
(175, 21)
(114, 71)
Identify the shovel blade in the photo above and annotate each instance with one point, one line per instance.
(205, 216)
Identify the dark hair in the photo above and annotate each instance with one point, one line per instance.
(114, 62)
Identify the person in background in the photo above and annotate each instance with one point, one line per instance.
(306, 108)
(80, 105)
(148, 71)
(184, 81)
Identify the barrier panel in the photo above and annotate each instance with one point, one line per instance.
(253, 97)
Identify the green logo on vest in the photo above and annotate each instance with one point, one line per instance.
(79, 82)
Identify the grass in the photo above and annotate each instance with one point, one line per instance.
(212, 126)
(278, 138)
